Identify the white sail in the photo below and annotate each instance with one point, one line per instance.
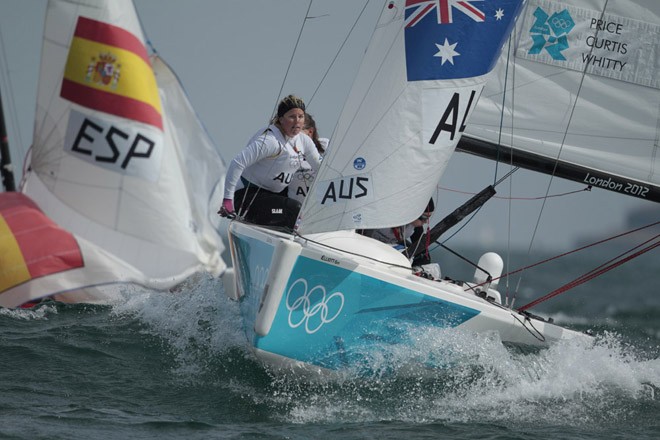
(328, 298)
(600, 63)
(365, 180)
(119, 158)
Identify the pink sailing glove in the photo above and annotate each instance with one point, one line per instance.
(227, 208)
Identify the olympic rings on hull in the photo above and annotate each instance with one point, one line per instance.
(324, 308)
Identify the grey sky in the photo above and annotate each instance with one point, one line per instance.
(233, 65)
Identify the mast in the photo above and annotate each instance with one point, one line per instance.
(6, 172)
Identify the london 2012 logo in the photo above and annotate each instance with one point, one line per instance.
(550, 32)
(317, 308)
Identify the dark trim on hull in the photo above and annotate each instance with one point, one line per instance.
(565, 170)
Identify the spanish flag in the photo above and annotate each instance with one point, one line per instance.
(108, 69)
(31, 244)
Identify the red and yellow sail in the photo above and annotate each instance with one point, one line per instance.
(108, 70)
(32, 245)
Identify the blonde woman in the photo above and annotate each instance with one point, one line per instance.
(258, 177)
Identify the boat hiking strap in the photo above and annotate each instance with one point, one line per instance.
(603, 268)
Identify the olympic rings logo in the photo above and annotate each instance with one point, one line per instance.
(560, 23)
(315, 306)
(304, 175)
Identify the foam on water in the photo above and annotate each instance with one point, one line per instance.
(29, 314)
(575, 382)
(197, 321)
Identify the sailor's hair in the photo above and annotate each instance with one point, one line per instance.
(288, 103)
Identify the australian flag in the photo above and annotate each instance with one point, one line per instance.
(450, 39)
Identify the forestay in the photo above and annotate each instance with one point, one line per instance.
(415, 90)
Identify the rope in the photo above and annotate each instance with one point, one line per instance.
(547, 260)
(352, 253)
(598, 271)
(293, 54)
(350, 32)
(559, 153)
(428, 239)
(11, 115)
(568, 193)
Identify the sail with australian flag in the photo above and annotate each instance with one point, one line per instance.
(420, 80)
(331, 298)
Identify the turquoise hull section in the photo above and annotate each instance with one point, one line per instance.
(329, 316)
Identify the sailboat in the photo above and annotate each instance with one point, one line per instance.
(120, 182)
(321, 298)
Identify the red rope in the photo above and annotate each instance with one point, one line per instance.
(577, 250)
(397, 235)
(577, 282)
(603, 268)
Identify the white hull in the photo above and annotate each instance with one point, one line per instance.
(318, 302)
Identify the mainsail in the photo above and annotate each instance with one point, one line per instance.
(600, 63)
(380, 172)
(120, 160)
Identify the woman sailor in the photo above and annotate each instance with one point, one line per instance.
(304, 177)
(257, 178)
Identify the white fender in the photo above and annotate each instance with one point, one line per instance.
(285, 256)
(229, 283)
(493, 264)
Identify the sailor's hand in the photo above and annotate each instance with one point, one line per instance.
(227, 208)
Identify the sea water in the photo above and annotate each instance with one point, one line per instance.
(177, 366)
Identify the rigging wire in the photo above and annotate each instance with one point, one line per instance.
(499, 143)
(598, 271)
(528, 199)
(5, 84)
(293, 54)
(327, 71)
(588, 188)
(554, 170)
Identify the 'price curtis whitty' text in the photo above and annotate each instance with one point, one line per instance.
(604, 42)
